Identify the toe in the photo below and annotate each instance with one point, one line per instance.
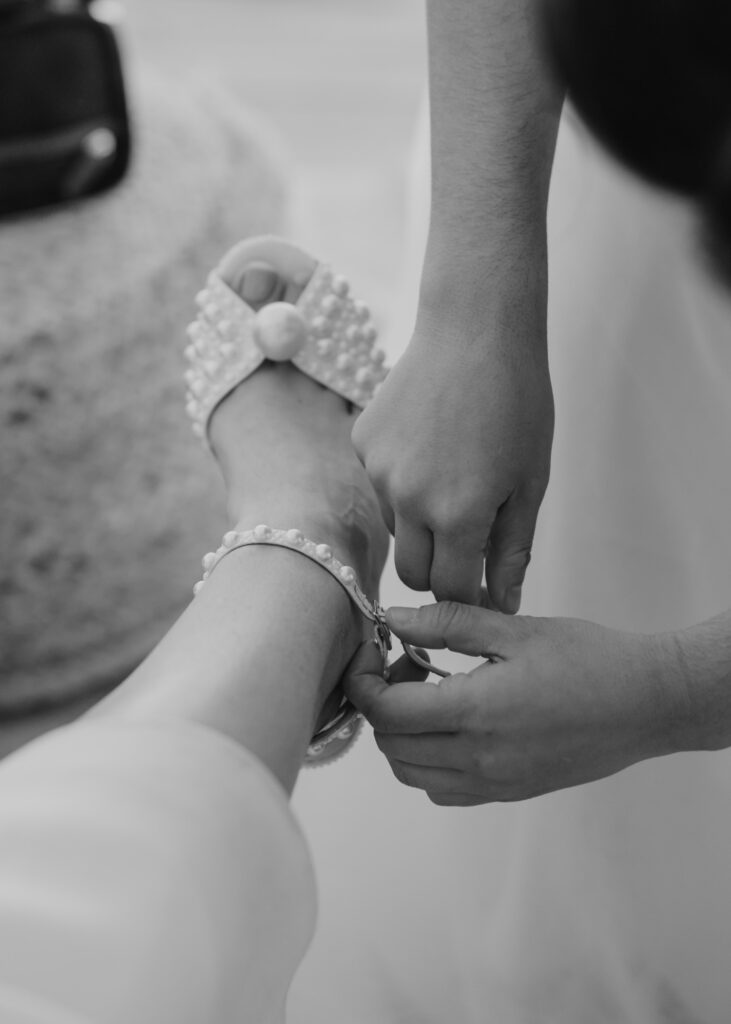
(258, 284)
(267, 269)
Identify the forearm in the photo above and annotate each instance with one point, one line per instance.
(494, 118)
(254, 657)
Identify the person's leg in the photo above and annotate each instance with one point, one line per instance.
(257, 653)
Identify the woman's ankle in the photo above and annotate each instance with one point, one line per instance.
(349, 543)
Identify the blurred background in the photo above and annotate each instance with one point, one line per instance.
(338, 81)
(291, 116)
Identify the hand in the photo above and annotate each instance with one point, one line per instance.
(565, 702)
(457, 444)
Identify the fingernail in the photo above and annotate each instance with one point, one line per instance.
(512, 600)
(258, 283)
(397, 617)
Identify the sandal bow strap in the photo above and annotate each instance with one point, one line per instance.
(327, 334)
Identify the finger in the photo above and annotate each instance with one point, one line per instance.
(430, 750)
(437, 780)
(366, 663)
(456, 569)
(404, 670)
(459, 627)
(511, 539)
(410, 707)
(412, 553)
(458, 799)
(387, 514)
(358, 436)
(485, 600)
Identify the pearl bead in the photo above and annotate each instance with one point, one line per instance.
(224, 326)
(347, 575)
(189, 353)
(227, 349)
(370, 333)
(208, 560)
(362, 311)
(198, 429)
(229, 539)
(324, 552)
(319, 324)
(211, 310)
(379, 357)
(198, 587)
(340, 286)
(329, 304)
(363, 376)
(262, 532)
(352, 334)
(191, 408)
(325, 346)
(202, 297)
(198, 387)
(296, 537)
(344, 362)
(280, 331)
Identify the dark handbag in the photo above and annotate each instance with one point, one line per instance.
(64, 128)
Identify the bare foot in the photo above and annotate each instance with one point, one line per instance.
(283, 440)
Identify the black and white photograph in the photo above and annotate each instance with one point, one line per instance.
(365, 512)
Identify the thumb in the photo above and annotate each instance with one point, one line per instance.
(364, 676)
(406, 670)
(459, 627)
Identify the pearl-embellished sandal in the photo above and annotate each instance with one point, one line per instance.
(334, 738)
(326, 334)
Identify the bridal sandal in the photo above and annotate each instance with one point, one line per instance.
(328, 335)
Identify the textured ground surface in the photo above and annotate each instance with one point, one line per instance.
(92, 567)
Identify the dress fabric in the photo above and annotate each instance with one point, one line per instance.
(148, 873)
(608, 903)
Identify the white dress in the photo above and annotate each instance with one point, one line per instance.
(609, 903)
(149, 874)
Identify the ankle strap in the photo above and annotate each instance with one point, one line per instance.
(322, 554)
(330, 742)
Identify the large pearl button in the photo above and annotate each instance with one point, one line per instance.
(280, 331)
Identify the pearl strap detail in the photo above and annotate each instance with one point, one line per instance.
(331, 741)
(327, 334)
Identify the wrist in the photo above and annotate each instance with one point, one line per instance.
(669, 717)
(494, 287)
(699, 667)
(497, 313)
